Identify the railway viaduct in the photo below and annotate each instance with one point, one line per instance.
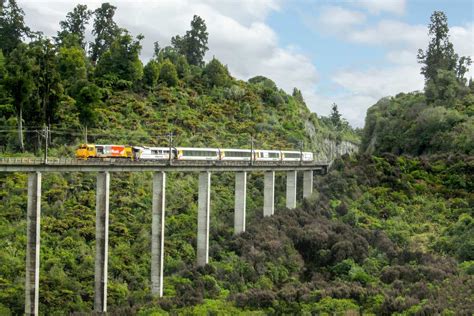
(35, 168)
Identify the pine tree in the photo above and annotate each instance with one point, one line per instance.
(335, 116)
(440, 53)
(12, 26)
(73, 28)
(193, 45)
(105, 30)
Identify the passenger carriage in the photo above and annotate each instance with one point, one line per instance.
(287, 155)
(188, 153)
(235, 154)
(153, 153)
(267, 155)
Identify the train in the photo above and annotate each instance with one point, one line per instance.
(145, 153)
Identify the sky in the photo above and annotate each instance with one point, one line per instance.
(350, 52)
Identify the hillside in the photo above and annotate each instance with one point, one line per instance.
(378, 238)
(408, 124)
(389, 231)
(107, 95)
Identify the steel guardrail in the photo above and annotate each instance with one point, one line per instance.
(13, 164)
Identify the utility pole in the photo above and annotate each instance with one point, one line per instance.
(86, 136)
(49, 134)
(301, 151)
(170, 142)
(251, 151)
(46, 139)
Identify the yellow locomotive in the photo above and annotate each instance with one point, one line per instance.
(87, 151)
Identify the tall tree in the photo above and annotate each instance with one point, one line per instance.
(440, 53)
(74, 27)
(20, 83)
(105, 30)
(71, 64)
(12, 26)
(48, 81)
(216, 74)
(193, 44)
(335, 116)
(122, 60)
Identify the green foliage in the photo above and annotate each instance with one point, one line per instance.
(443, 69)
(121, 63)
(88, 98)
(406, 125)
(73, 28)
(71, 64)
(105, 30)
(193, 45)
(168, 74)
(216, 74)
(335, 116)
(151, 73)
(12, 26)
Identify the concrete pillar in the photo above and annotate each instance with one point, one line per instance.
(33, 243)
(307, 183)
(291, 189)
(240, 202)
(158, 233)
(204, 210)
(269, 193)
(101, 241)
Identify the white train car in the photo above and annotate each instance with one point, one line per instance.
(153, 153)
(287, 155)
(267, 155)
(307, 156)
(236, 154)
(189, 153)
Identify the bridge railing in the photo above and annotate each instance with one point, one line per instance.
(115, 161)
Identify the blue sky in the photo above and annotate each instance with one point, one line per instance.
(350, 52)
(298, 23)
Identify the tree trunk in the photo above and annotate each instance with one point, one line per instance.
(20, 129)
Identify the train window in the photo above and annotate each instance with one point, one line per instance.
(273, 155)
(154, 152)
(292, 155)
(236, 154)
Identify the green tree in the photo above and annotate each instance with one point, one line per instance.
(105, 30)
(440, 54)
(335, 116)
(122, 60)
(88, 98)
(12, 26)
(20, 83)
(71, 64)
(216, 74)
(168, 74)
(74, 27)
(151, 73)
(48, 81)
(193, 44)
(444, 89)
(298, 95)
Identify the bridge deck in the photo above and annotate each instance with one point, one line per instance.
(117, 165)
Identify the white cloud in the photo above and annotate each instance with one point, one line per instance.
(378, 6)
(391, 33)
(463, 42)
(336, 19)
(363, 88)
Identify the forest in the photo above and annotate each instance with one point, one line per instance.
(388, 231)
